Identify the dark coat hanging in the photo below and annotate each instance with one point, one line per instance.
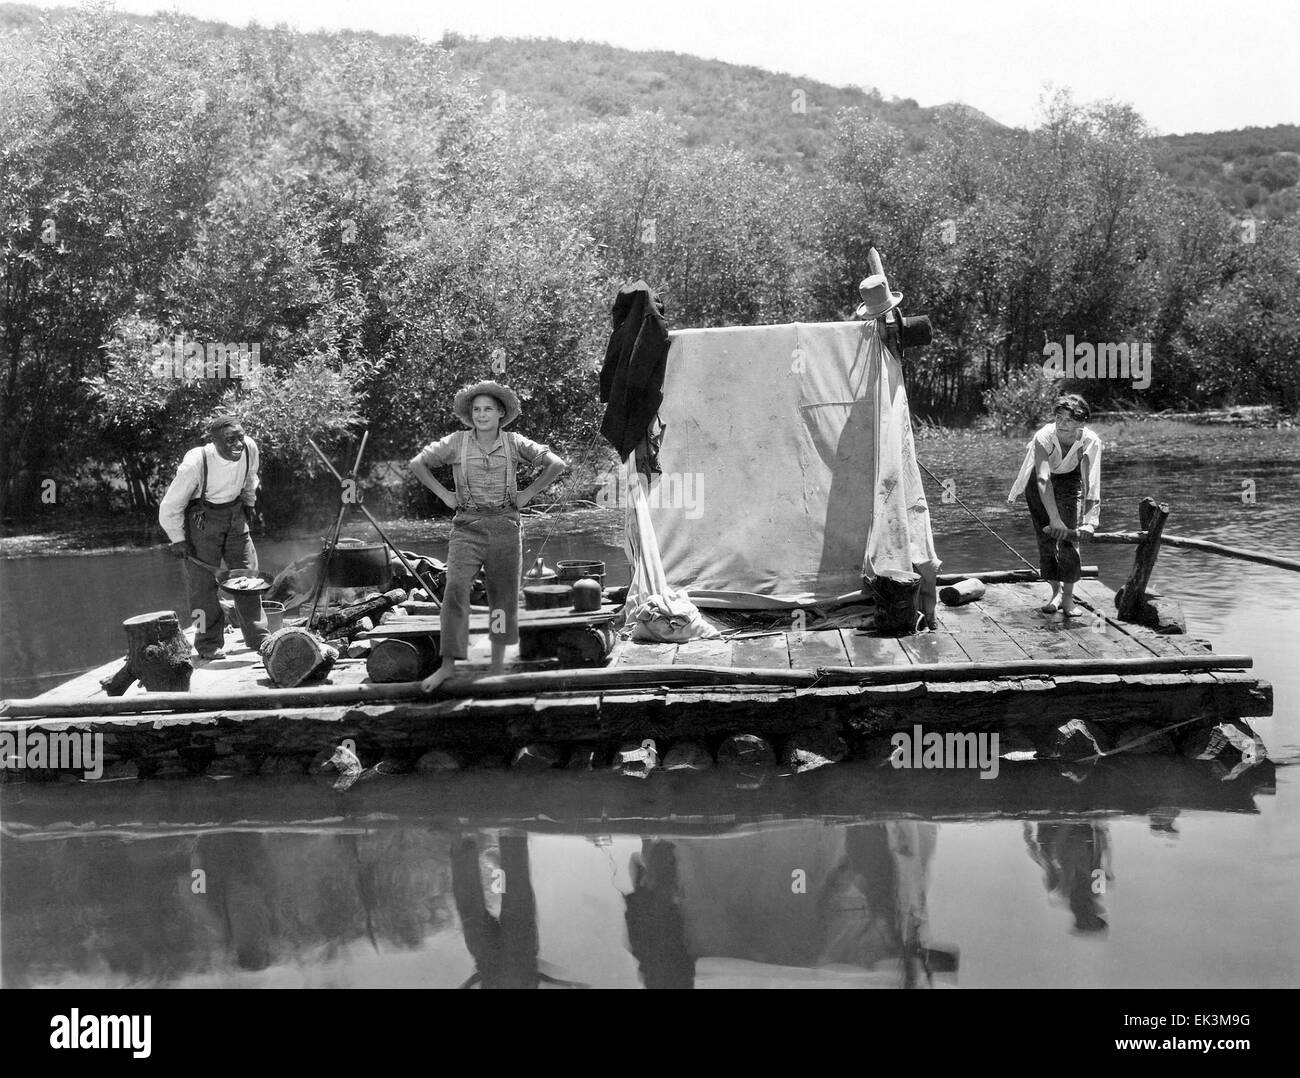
(632, 378)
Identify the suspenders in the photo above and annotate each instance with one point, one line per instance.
(203, 457)
(460, 470)
(195, 510)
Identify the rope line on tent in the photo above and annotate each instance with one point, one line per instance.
(977, 519)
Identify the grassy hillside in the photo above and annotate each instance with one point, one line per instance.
(1255, 169)
(778, 119)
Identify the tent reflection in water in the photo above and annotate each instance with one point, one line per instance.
(788, 473)
(817, 905)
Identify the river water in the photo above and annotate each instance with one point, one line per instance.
(1152, 872)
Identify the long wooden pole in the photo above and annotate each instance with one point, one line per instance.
(1202, 544)
(600, 680)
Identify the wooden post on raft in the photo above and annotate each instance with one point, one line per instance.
(1132, 601)
(158, 655)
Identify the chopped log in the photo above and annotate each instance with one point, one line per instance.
(961, 594)
(1077, 739)
(394, 660)
(346, 619)
(746, 752)
(1231, 742)
(587, 645)
(807, 751)
(117, 683)
(688, 756)
(537, 757)
(158, 655)
(293, 655)
(1128, 599)
(636, 759)
(359, 649)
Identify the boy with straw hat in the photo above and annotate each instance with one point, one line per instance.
(485, 530)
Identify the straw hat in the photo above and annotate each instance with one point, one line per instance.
(504, 395)
(877, 299)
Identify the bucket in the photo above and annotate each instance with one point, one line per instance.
(274, 615)
(568, 572)
(897, 604)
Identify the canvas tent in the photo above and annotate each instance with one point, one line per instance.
(788, 465)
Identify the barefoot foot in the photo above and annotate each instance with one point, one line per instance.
(1073, 611)
(431, 683)
(1052, 605)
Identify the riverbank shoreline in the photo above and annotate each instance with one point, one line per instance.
(1127, 437)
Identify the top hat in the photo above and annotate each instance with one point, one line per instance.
(504, 395)
(877, 299)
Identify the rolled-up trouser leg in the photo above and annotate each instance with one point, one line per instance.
(502, 565)
(465, 556)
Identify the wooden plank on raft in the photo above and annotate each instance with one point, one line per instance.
(978, 634)
(866, 650)
(767, 652)
(1118, 639)
(639, 653)
(704, 652)
(940, 646)
(1015, 610)
(809, 649)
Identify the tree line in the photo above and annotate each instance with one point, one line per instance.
(383, 231)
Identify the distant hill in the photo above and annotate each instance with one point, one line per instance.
(782, 120)
(1255, 169)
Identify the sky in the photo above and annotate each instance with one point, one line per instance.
(1193, 65)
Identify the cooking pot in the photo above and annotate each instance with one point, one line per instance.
(356, 564)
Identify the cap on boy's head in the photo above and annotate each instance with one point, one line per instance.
(1075, 405)
(223, 421)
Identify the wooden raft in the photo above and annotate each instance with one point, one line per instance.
(781, 686)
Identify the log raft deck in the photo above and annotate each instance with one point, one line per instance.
(994, 664)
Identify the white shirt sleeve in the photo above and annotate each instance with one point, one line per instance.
(1092, 492)
(185, 485)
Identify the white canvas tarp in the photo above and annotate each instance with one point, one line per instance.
(788, 463)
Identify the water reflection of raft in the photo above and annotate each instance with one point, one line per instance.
(997, 664)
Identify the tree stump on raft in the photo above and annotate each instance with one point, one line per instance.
(1129, 599)
(158, 655)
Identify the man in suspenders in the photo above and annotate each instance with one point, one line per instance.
(205, 515)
